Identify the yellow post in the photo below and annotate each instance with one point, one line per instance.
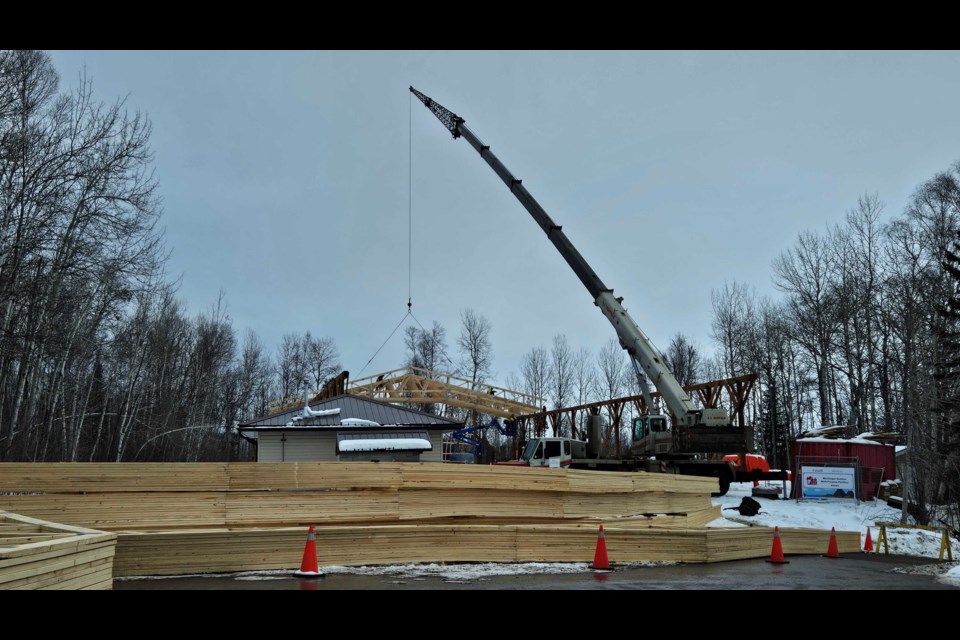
(945, 546)
(882, 538)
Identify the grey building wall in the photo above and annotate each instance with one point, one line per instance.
(321, 446)
(436, 455)
(309, 446)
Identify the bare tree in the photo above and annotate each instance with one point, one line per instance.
(427, 348)
(732, 315)
(475, 346)
(292, 365)
(805, 274)
(322, 359)
(682, 357)
(612, 363)
(584, 382)
(535, 372)
(561, 378)
(254, 375)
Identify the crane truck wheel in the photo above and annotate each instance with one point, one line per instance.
(725, 479)
(724, 475)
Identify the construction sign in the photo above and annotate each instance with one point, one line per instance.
(829, 482)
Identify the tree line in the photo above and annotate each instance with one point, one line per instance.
(864, 333)
(99, 360)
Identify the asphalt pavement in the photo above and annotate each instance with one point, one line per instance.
(853, 571)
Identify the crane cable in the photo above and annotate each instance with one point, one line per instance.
(410, 211)
(409, 312)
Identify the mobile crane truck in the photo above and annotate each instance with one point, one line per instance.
(658, 445)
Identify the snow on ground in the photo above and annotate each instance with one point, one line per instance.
(952, 576)
(845, 515)
(448, 572)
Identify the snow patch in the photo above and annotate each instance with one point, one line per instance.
(384, 444)
(952, 576)
(856, 440)
(419, 572)
(845, 515)
(310, 413)
(359, 422)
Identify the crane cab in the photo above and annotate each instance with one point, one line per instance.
(651, 435)
(550, 452)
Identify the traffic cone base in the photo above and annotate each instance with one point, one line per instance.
(868, 545)
(776, 552)
(832, 550)
(600, 560)
(308, 566)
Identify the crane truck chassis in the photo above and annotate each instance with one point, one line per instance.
(695, 432)
(579, 454)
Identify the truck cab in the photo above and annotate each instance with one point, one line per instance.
(548, 452)
(651, 435)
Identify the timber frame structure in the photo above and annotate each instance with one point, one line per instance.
(709, 394)
(415, 385)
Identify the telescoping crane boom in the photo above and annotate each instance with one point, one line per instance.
(631, 337)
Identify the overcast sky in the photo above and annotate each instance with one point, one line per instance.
(284, 179)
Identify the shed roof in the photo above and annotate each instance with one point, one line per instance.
(354, 407)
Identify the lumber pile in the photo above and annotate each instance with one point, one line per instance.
(209, 551)
(77, 477)
(193, 518)
(41, 555)
(120, 497)
(833, 433)
(884, 437)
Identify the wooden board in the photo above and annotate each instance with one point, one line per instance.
(68, 558)
(74, 477)
(123, 510)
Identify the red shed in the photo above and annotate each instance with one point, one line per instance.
(875, 460)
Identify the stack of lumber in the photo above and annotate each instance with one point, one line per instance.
(210, 551)
(119, 497)
(76, 477)
(885, 437)
(192, 518)
(42, 555)
(122, 510)
(839, 431)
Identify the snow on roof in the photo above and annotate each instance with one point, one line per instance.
(386, 444)
(359, 422)
(857, 440)
(827, 428)
(310, 413)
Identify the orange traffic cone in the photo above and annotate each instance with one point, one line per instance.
(868, 545)
(776, 553)
(308, 566)
(600, 560)
(832, 550)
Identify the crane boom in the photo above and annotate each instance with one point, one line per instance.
(631, 337)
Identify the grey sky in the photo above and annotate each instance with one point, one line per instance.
(284, 179)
